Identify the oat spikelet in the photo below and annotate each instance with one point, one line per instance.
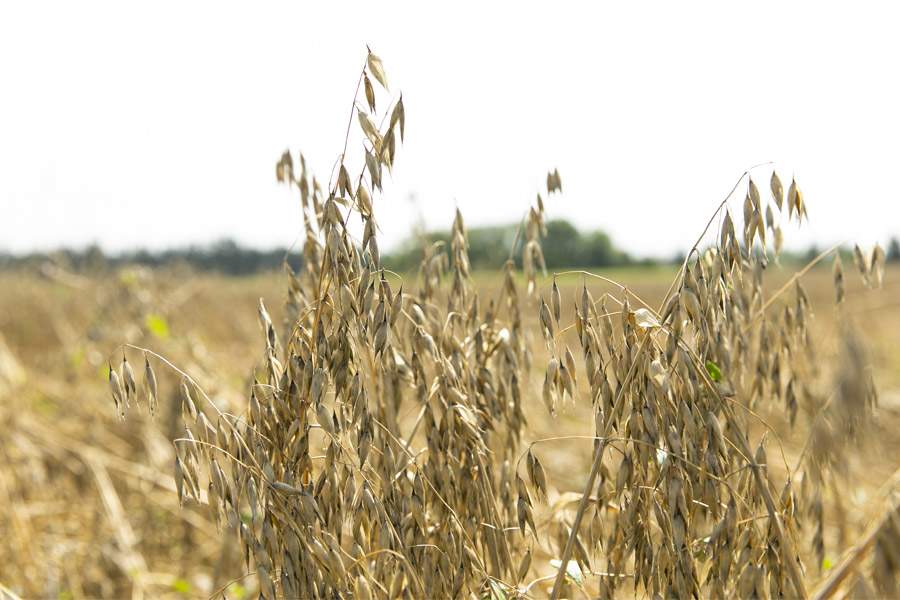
(149, 387)
(118, 394)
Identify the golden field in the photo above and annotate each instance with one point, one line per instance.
(90, 504)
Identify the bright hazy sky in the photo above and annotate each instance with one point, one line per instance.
(159, 123)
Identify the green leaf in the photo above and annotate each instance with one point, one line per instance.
(714, 373)
(495, 592)
(573, 571)
(827, 563)
(158, 326)
(181, 586)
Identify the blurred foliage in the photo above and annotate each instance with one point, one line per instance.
(893, 253)
(224, 256)
(563, 246)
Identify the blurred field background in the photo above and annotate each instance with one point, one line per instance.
(89, 503)
(90, 508)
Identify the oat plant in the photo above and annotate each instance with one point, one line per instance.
(680, 494)
(383, 451)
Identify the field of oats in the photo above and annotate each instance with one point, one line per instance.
(91, 508)
(728, 428)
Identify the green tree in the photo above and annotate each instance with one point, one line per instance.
(893, 252)
(563, 246)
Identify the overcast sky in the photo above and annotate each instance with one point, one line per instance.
(158, 124)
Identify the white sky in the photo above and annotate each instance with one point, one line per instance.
(159, 124)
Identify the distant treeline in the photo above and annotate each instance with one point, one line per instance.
(225, 256)
(489, 247)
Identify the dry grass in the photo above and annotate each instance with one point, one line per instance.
(90, 502)
(217, 319)
(430, 437)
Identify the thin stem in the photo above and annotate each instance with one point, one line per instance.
(177, 370)
(609, 281)
(706, 229)
(789, 283)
